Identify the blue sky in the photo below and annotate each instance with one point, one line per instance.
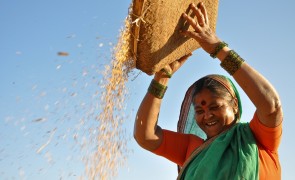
(43, 94)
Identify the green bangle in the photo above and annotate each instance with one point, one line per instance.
(156, 89)
(166, 73)
(232, 62)
(220, 46)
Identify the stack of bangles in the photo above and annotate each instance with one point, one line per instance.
(156, 89)
(231, 63)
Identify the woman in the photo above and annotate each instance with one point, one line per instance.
(230, 149)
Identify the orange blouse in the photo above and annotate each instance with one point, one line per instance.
(178, 147)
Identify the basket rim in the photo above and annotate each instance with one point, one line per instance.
(136, 13)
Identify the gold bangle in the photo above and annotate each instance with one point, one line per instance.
(232, 62)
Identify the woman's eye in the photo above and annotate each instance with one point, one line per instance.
(199, 111)
(215, 107)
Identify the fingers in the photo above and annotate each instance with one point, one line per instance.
(184, 58)
(177, 64)
(192, 22)
(199, 14)
(204, 12)
(170, 69)
(201, 17)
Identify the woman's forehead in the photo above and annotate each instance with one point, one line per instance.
(206, 98)
(205, 93)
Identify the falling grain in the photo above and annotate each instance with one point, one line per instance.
(111, 148)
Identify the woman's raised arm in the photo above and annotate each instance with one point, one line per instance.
(257, 87)
(146, 131)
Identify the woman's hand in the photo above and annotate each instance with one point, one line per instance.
(166, 73)
(205, 36)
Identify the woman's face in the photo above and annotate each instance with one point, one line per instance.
(213, 114)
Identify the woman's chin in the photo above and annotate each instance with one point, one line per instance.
(212, 133)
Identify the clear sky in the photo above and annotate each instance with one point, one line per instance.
(43, 95)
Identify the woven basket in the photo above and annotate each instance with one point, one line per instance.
(156, 40)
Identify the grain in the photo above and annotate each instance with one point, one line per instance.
(111, 148)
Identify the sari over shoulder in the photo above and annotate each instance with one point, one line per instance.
(231, 155)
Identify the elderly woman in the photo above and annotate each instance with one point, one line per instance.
(212, 143)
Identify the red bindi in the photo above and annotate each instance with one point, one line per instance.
(203, 103)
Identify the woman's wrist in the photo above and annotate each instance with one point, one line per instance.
(162, 79)
(156, 89)
(223, 53)
(220, 45)
(158, 85)
(230, 60)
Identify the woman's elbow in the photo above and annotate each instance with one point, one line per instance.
(276, 109)
(139, 133)
(141, 140)
(275, 116)
(148, 139)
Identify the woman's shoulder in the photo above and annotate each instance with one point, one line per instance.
(267, 137)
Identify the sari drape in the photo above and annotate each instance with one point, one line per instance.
(231, 155)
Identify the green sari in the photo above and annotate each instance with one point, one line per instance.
(232, 154)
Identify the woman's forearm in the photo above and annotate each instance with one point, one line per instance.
(260, 91)
(146, 131)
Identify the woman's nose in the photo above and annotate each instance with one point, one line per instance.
(207, 114)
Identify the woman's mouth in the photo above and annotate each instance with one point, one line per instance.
(212, 123)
